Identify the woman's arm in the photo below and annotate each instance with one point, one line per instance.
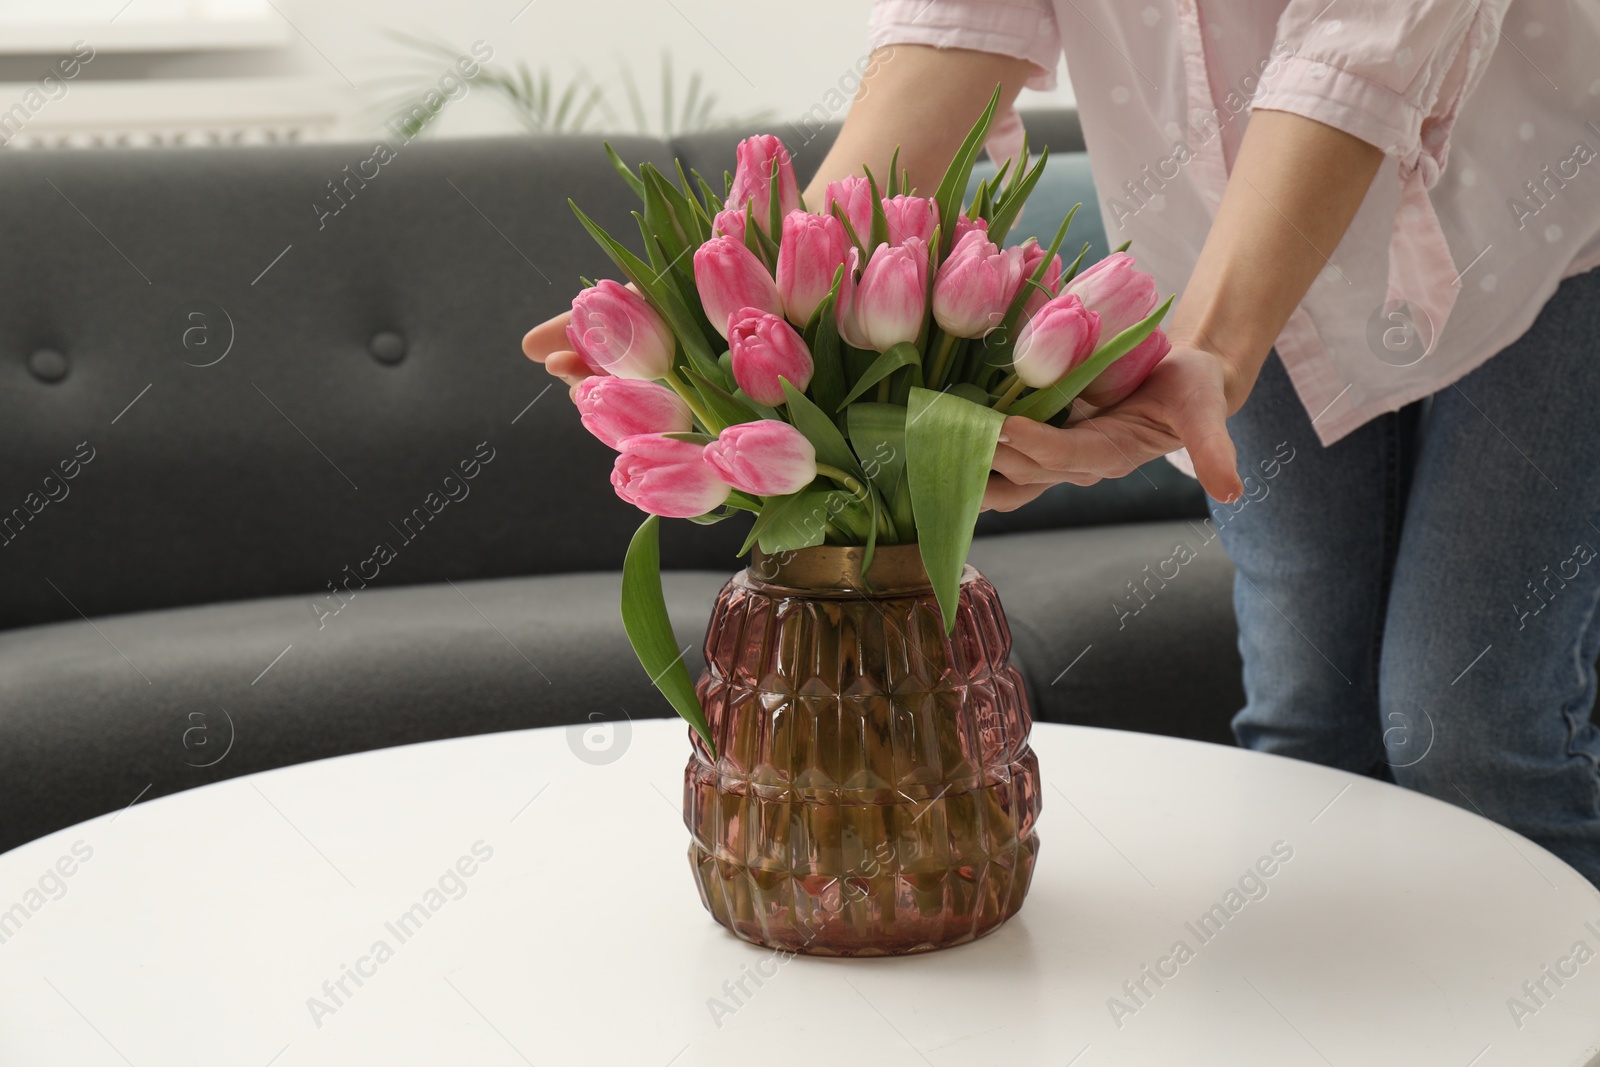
(1294, 189)
(918, 98)
(923, 100)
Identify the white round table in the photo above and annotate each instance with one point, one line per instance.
(500, 900)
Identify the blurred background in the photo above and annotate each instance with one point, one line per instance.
(183, 72)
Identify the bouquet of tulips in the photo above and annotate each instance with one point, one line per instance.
(841, 375)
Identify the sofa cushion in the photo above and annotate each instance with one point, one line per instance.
(95, 713)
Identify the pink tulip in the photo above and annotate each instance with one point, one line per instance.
(965, 226)
(854, 197)
(1117, 290)
(1032, 254)
(613, 408)
(765, 458)
(752, 178)
(615, 330)
(730, 222)
(844, 312)
(812, 248)
(910, 216)
(975, 285)
(763, 348)
(1062, 335)
(1128, 372)
(729, 277)
(667, 477)
(893, 294)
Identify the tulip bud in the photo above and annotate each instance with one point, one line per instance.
(665, 476)
(613, 408)
(752, 178)
(812, 248)
(1062, 335)
(730, 277)
(1117, 291)
(1032, 254)
(730, 222)
(764, 458)
(893, 294)
(1128, 372)
(854, 197)
(765, 348)
(975, 286)
(965, 226)
(614, 329)
(844, 312)
(910, 216)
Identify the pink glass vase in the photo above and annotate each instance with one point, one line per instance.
(873, 792)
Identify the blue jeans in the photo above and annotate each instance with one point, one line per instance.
(1417, 601)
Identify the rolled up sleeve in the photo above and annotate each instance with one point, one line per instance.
(1393, 74)
(1023, 29)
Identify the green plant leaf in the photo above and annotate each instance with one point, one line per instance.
(950, 444)
(968, 391)
(819, 429)
(1009, 205)
(822, 338)
(878, 433)
(1046, 403)
(634, 181)
(954, 184)
(723, 405)
(798, 520)
(904, 354)
(644, 616)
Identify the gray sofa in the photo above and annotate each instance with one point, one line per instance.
(276, 483)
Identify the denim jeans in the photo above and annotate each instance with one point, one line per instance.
(1417, 601)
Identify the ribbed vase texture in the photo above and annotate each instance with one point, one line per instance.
(873, 792)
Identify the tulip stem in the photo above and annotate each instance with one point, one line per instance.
(684, 390)
(862, 495)
(1010, 386)
(941, 360)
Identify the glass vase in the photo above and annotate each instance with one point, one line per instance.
(873, 791)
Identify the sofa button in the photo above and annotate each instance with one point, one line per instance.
(387, 347)
(48, 365)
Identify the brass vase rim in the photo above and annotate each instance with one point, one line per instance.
(895, 570)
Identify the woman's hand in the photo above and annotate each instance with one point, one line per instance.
(1183, 404)
(547, 343)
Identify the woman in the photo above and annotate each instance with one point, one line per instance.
(1416, 597)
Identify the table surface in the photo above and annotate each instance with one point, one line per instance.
(200, 928)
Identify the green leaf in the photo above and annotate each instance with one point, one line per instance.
(968, 391)
(819, 429)
(1009, 206)
(904, 354)
(900, 511)
(954, 183)
(644, 616)
(880, 221)
(798, 520)
(878, 432)
(723, 405)
(950, 445)
(872, 541)
(633, 180)
(1046, 403)
(822, 338)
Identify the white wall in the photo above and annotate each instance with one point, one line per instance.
(752, 56)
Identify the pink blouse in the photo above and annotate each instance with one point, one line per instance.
(1444, 265)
